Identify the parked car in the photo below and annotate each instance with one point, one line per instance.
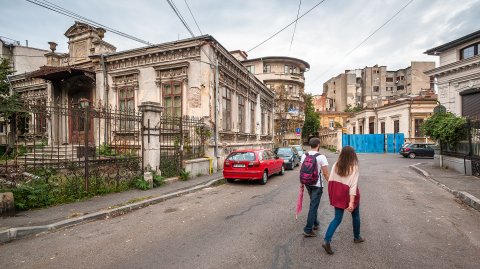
(300, 149)
(289, 156)
(252, 165)
(413, 150)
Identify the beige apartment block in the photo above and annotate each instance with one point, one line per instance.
(374, 86)
(183, 71)
(458, 76)
(285, 76)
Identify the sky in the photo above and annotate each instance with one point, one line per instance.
(323, 37)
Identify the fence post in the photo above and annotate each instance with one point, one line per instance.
(86, 150)
(151, 113)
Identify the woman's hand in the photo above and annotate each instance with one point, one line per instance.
(350, 207)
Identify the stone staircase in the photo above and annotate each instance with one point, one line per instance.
(51, 154)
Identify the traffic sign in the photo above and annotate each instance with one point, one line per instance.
(298, 131)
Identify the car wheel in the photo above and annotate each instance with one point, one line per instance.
(230, 180)
(282, 170)
(264, 179)
(412, 155)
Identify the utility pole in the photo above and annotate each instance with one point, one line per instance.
(216, 109)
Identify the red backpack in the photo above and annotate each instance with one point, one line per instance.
(309, 173)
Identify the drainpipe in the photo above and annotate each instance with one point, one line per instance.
(216, 108)
(410, 119)
(106, 88)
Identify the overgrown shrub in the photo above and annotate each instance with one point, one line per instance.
(184, 175)
(140, 183)
(158, 180)
(446, 127)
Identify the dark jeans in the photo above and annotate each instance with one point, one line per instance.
(315, 194)
(338, 219)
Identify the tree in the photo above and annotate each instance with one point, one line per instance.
(10, 104)
(312, 118)
(446, 127)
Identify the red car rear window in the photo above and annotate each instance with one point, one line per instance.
(242, 156)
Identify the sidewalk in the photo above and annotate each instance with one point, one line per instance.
(465, 188)
(40, 220)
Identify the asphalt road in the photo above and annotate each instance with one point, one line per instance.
(407, 222)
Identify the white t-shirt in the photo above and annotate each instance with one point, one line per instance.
(321, 161)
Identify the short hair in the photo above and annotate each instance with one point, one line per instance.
(314, 142)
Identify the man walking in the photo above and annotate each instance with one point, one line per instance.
(313, 183)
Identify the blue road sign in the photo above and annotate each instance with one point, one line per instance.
(298, 131)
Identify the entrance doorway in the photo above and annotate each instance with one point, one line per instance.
(79, 89)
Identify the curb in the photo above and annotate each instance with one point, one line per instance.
(465, 197)
(21, 232)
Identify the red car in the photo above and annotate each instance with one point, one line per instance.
(252, 164)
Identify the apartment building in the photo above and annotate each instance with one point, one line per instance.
(374, 86)
(285, 76)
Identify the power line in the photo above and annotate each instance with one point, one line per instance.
(295, 27)
(364, 40)
(177, 12)
(53, 7)
(198, 27)
(281, 30)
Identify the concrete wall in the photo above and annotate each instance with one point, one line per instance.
(198, 167)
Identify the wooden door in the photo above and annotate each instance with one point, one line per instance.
(79, 103)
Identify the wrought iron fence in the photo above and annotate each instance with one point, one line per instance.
(181, 138)
(81, 139)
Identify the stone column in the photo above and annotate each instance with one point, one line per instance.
(357, 127)
(366, 125)
(151, 112)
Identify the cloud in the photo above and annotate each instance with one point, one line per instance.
(322, 37)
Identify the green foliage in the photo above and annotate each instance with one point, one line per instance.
(312, 118)
(351, 109)
(184, 175)
(204, 132)
(105, 150)
(158, 180)
(446, 127)
(36, 193)
(169, 166)
(141, 183)
(50, 187)
(5, 70)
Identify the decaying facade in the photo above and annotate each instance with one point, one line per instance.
(284, 75)
(182, 76)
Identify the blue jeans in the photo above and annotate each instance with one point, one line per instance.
(315, 194)
(338, 219)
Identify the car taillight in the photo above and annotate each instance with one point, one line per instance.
(254, 164)
(407, 149)
(227, 163)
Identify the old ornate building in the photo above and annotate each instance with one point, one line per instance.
(285, 76)
(180, 75)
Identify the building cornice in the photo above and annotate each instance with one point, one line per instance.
(456, 67)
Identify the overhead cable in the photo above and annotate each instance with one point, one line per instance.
(288, 25)
(363, 41)
(191, 13)
(295, 27)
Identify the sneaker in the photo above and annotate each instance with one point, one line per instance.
(327, 248)
(358, 240)
(316, 227)
(310, 234)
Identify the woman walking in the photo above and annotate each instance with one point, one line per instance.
(344, 195)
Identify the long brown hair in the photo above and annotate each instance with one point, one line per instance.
(346, 161)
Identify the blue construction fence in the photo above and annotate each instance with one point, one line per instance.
(374, 143)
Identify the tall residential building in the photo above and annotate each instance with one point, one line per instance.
(285, 76)
(374, 86)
